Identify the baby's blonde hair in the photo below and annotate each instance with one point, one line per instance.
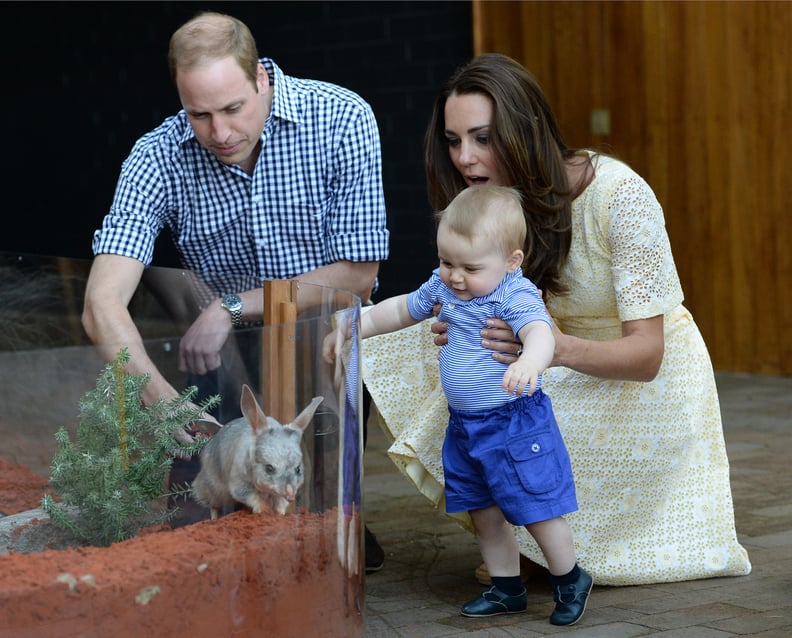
(492, 211)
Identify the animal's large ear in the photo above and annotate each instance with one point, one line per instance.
(304, 418)
(251, 410)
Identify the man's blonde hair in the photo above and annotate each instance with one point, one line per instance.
(212, 36)
(492, 211)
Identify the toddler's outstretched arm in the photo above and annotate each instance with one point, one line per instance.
(388, 315)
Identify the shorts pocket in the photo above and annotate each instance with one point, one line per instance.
(534, 459)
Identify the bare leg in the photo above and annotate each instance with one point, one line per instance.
(554, 538)
(497, 542)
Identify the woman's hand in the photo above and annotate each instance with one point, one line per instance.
(440, 328)
(499, 338)
(635, 356)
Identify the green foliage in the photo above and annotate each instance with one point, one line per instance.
(113, 480)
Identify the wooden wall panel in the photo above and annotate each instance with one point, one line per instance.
(700, 100)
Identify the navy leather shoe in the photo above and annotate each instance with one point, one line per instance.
(571, 600)
(375, 556)
(494, 602)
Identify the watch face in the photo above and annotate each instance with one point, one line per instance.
(233, 303)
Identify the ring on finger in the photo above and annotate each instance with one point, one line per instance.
(519, 352)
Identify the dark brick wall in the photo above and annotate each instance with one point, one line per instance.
(85, 80)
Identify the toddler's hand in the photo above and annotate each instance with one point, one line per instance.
(521, 376)
(330, 346)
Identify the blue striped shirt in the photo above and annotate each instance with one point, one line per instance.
(315, 196)
(471, 378)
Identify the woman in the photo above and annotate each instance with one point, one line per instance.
(632, 382)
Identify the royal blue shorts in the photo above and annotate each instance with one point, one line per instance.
(512, 456)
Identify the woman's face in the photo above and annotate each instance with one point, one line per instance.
(467, 128)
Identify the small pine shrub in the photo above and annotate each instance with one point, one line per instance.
(112, 481)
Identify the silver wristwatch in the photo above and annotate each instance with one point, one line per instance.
(233, 303)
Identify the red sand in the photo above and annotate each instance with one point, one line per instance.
(241, 575)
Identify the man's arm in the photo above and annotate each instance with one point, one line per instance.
(356, 231)
(199, 349)
(356, 277)
(111, 283)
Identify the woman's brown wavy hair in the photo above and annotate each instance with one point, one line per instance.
(530, 152)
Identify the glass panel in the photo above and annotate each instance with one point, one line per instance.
(242, 574)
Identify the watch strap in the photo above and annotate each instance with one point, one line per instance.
(233, 303)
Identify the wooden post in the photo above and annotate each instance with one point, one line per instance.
(278, 357)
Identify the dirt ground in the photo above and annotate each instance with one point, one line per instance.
(241, 575)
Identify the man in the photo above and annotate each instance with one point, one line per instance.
(260, 176)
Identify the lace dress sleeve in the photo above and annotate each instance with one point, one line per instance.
(644, 276)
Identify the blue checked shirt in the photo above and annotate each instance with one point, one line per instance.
(315, 196)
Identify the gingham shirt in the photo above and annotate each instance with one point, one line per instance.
(471, 378)
(315, 196)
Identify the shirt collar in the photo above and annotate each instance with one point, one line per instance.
(284, 102)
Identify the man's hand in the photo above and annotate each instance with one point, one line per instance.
(204, 426)
(199, 349)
